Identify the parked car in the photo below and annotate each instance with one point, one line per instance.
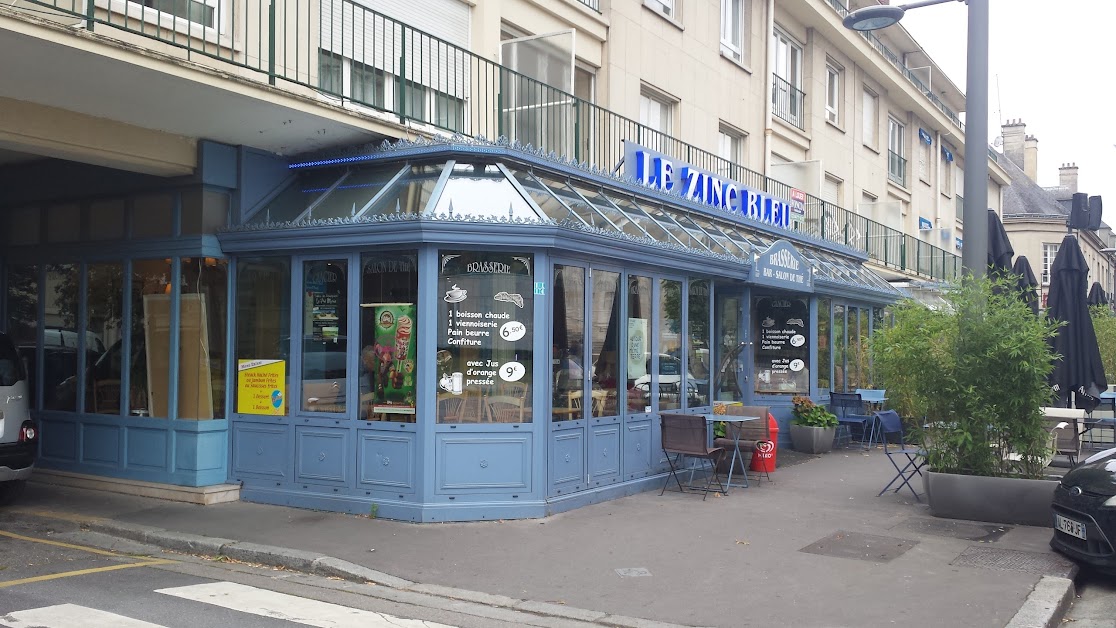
(1084, 508)
(18, 435)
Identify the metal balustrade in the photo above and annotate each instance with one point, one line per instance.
(787, 101)
(343, 52)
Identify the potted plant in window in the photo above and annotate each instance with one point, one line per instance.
(813, 427)
(971, 380)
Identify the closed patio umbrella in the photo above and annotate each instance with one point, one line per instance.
(1097, 295)
(999, 247)
(1025, 282)
(1079, 370)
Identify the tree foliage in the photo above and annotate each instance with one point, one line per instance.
(1104, 324)
(971, 378)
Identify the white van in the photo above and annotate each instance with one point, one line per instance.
(18, 435)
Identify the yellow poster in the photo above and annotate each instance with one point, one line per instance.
(261, 387)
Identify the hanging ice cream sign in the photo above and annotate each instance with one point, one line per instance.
(656, 170)
(782, 266)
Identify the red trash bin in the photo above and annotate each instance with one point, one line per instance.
(763, 458)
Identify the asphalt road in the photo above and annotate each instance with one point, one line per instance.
(49, 578)
(1095, 606)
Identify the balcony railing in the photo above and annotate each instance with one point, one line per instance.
(787, 101)
(310, 45)
(592, 4)
(896, 168)
(895, 60)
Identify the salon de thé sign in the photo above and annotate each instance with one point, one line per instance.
(661, 172)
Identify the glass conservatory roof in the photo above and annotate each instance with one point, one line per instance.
(482, 191)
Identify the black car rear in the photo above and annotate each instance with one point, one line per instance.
(1084, 512)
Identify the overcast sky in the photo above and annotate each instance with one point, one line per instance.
(1052, 63)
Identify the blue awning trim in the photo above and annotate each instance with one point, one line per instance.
(925, 137)
(947, 154)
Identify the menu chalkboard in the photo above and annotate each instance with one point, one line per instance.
(782, 349)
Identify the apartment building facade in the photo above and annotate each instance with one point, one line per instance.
(238, 202)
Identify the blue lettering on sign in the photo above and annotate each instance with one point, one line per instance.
(660, 172)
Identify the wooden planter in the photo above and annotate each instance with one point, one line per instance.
(812, 440)
(996, 500)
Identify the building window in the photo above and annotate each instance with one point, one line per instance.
(871, 119)
(896, 163)
(924, 161)
(656, 112)
(388, 338)
(1049, 252)
(832, 93)
(204, 13)
(732, 29)
(786, 93)
(668, 8)
(730, 148)
(946, 174)
(831, 189)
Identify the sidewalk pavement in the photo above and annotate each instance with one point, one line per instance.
(816, 547)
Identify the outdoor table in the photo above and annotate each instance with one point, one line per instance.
(732, 418)
(1107, 398)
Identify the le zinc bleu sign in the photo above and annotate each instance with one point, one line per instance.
(782, 266)
(658, 171)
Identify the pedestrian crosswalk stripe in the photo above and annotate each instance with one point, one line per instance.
(246, 599)
(68, 616)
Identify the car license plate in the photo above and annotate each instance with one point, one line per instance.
(1069, 526)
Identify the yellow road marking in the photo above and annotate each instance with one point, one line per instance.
(91, 550)
(54, 514)
(82, 572)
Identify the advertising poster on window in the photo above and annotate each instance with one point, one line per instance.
(261, 387)
(637, 348)
(485, 334)
(782, 349)
(390, 360)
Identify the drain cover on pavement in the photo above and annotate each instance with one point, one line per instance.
(633, 572)
(984, 533)
(1047, 564)
(842, 544)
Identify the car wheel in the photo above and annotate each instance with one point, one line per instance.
(9, 491)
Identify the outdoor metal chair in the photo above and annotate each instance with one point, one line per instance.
(851, 418)
(687, 435)
(1069, 441)
(907, 459)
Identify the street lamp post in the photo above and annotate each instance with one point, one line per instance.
(974, 251)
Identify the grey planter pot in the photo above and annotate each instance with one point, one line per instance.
(996, 500)
(812, 440)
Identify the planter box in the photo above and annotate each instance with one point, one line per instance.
(996, 500)
(812, 440)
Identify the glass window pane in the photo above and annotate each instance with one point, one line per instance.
(485, 337)
(297, 196)
(698, 365)
(576, 204)
(639, 344)
(149, 364)
(650, 225)
(546, 201)
(104, 337)
(324, 327)
(354, 193)
(618, 218)
(63, 223)
(839, 384)
(410, 193)
(664, 219)
(729, 335)
(568, 343)
(825, 353)
(22, 225)
(388, 337)
(729, 245)
(482, 191)
(106, 220)
(152, 216)
(670, 344)
(607, 333)
(60, 337)
(696, 232)
(263, 330)
(782, 352)
(201, 338)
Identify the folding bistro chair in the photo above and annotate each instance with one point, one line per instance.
(688, 435)
(911, 458)
(849, 408)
